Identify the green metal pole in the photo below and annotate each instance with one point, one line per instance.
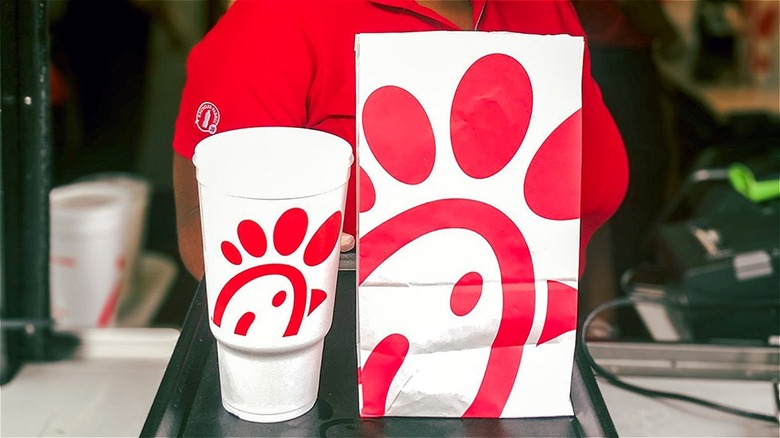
(25, 176)
(35, 143)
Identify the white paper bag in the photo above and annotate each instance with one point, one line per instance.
(468, 255)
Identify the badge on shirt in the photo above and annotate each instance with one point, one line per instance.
(207, 117)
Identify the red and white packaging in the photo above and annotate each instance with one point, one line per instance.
(469, 147)
(272, 207)
(88, 242)
(140, 189)
(763, 42)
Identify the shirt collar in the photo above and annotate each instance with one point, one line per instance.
(477, 6)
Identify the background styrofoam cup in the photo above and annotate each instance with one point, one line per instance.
(140, 190)
(88, 222)
(265, 195)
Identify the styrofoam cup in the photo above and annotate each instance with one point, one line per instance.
(88, 222)
(272, 207)
(140, 190)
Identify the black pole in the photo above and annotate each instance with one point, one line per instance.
(25, 178)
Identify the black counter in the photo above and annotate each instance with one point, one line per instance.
(188, 400)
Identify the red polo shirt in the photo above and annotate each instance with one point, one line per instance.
(292, 63)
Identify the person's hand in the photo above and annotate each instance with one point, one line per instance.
(347, 242)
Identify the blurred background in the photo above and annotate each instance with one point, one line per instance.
(693, 86)
(691, 256)
(116, 83)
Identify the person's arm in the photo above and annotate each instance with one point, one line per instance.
(249, 75)
(604, 161)
(188, 215)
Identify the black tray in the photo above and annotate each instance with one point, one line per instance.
(188, 400)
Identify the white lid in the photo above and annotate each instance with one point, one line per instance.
(88, 206)
(273, 162)
(140, 185)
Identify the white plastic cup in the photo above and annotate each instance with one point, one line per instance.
(272, 207)
(140, 190)
(88, 222)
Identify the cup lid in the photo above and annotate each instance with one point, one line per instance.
(88, 205)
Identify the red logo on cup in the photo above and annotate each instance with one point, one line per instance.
(288, 237)
(207, 117)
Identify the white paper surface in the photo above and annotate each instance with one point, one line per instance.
(461, 247)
